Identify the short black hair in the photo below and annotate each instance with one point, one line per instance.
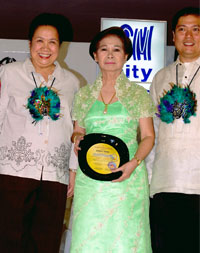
(184, 12)
(58, 21)
(116, 31)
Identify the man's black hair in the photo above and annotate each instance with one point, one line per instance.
(184, 12)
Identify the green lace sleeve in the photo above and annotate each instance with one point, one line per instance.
(82, 102)
(146, 106)
(136, 99)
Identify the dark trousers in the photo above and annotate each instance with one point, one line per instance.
(31, 215)
(175, 223)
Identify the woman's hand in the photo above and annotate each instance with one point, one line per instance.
(145, 146)
(70, 190)
(78, 137)
(126, 169)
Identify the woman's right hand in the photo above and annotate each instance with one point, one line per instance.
(77, 138)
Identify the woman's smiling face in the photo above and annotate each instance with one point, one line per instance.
(44, 47)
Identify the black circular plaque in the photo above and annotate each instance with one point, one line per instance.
(100, 153)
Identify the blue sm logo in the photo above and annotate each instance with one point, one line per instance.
(142, 42)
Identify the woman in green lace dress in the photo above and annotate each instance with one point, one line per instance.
(113, 216)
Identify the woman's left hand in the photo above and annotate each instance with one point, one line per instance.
(126, 169)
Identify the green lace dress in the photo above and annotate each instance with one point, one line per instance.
(108, 216)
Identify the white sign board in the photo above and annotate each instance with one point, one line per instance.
(149, 44)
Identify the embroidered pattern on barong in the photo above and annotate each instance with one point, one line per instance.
(60, 159)
(19, 152)
(20, 155)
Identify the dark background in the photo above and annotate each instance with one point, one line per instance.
(85, 15)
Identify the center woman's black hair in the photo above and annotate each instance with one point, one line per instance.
(58, 21)
(115, 31)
